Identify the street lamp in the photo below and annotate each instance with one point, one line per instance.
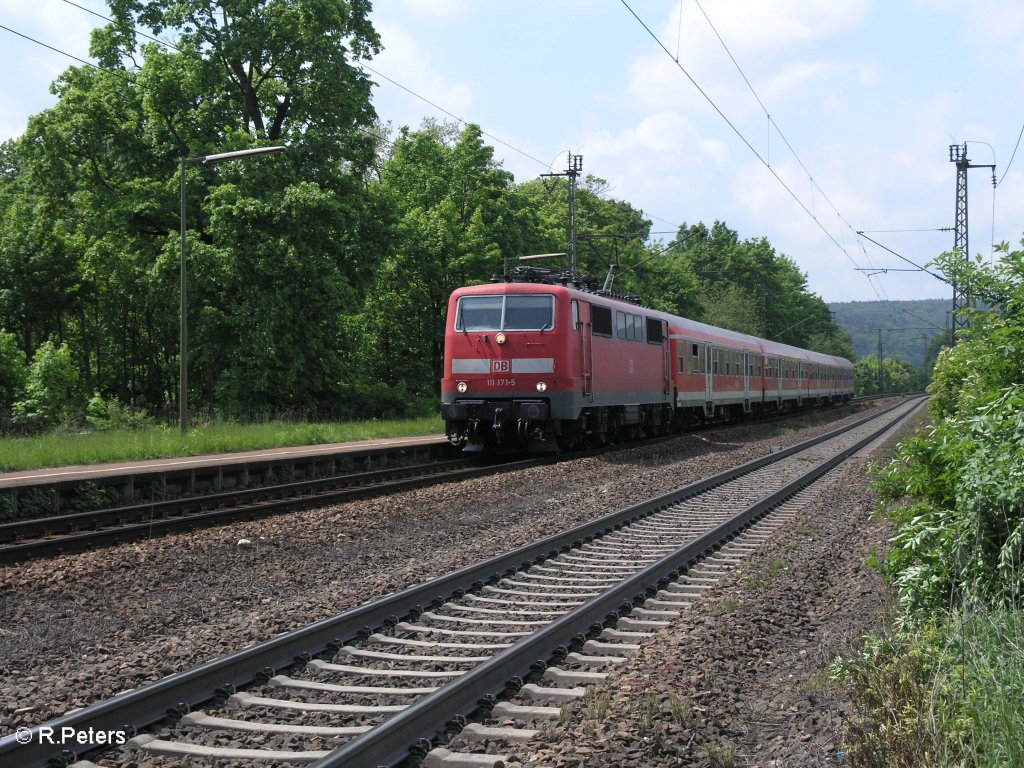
(183, 371)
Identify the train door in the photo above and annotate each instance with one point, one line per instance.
(709, 386)
(746, 382)
(666, 365)
(581, 323)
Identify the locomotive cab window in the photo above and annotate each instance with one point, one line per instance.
(529, 313)
(534, 312)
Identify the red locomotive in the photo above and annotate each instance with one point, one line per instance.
(547, 364)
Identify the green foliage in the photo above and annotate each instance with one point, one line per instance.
(961, 538)
(454, 213)
(945, 687)
(946, 693)
(897, 376)
(710, 275)
(101, 415)
(12, 371)
(49, 385)
(278, 247)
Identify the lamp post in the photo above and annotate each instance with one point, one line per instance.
(183, 345)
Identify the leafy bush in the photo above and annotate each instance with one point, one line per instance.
(946, 687)
(959, 491)
(48, 388)
(103, 414)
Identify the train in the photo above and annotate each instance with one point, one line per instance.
(542, 362)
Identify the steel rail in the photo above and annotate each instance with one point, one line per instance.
(24, 539)
(389, 743)
(178, 693)
(158, 518)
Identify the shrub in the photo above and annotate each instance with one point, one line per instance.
(48, 388)
(104, 415)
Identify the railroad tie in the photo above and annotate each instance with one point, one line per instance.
(440, 757)
(157, 746)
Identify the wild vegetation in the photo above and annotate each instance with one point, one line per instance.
(318, 277)
(945, 685)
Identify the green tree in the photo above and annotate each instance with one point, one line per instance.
(12, 372)
(598, 216)
(89, 204)
(455, 214)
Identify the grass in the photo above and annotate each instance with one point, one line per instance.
(947, 694)
(66, 448)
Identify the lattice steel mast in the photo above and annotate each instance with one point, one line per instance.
(961, 296)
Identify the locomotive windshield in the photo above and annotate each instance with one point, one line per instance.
(531, 312)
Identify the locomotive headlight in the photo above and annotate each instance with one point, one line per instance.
(500, 338)
(462, 386)
(541, 386)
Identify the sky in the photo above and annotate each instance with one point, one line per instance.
(800, 121)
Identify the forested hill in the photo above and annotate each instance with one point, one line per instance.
(907, 326)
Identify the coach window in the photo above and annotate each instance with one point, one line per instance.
(682, 357)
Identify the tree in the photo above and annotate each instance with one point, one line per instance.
(596, 214)
(454, 213)
(88, 198)
(12, 371)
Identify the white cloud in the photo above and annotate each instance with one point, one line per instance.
(407, 62)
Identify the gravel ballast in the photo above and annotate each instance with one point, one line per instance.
(80, 628)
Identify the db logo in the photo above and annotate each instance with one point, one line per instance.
(501, 366)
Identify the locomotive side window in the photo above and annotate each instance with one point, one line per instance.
(601, 320)
(575, 315)
(654, 335)
(620, 325)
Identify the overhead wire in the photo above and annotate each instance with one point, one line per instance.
(778, 129)
(743, 138)
(1015, 147)
(454, 116)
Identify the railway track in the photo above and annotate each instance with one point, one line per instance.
(391, 678)
(63, 534)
